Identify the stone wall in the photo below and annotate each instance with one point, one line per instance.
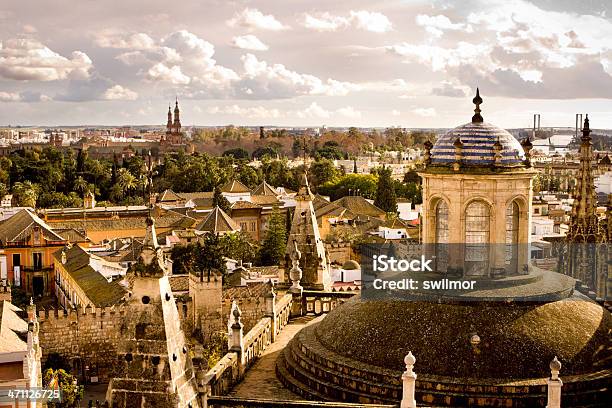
(5, 293)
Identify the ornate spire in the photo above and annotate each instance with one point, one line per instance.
(177, 120)
(169, 123)
(477, 118)
(584, 223)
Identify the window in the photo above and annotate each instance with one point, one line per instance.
(243, 226)
(37, 260)
(253, 226)
(441, 249)
(512, 235)
(477, 225)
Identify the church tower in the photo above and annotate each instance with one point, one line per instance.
(169, 123)
(305, 232)
(585, 257)
(177, 119)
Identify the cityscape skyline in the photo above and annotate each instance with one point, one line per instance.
(398, 63)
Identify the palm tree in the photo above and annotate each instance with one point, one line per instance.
(80, 185)
(126, 180)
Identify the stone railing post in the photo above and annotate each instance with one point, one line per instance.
(295, 274)
(235, 337)
(271, 310)
(554, 385)
(408, 383)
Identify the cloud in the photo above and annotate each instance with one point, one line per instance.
(254, 112)
(81, 90)
(349, 112)
(114, 39)
(447, 88)
(173, 74)
(275, 80)
(439, 58)
(324, 22)
(371, 21)
(249, 42)
(29, 29)
(27, 59)
(424, 112)
(362, 19)
(395, 112)
(314, 110)
(118, 92)
(437, 25)
(9, 97)
(253, 18)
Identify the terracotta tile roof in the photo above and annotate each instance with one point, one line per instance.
(169, 196)
(359, 206)
(265, 189)
(197, 194)
(92, 283)
(19, 227)
(251, 290)
(71, 234)
(218, 221)
(179, 283)
(242, 204)
(265, 200)
(235, 186)
(168, 220)
(12, 329)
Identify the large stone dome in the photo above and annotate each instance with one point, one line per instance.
(485, 354)
(478, 140)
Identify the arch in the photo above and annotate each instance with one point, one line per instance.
(441, 235)
(512, 236)
(477, 221)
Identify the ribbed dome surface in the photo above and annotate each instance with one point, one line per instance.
(478, 146)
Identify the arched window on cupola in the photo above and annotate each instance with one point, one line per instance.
(441, 249)
(477, 229)
(512, 237)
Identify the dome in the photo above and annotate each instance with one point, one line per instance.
(351, 265)
(496, 353)
(478, 142)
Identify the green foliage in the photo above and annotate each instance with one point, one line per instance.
(237, 153)
(72, 393)
(339, 187)
(275, 242)
(201, 258)
(323, 171)
(268, 151)
(385, 192)
(330, 150)
(220, 201)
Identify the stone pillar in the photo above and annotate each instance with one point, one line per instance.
(295, 274)
(408, 383)
(234, 340)
(554, 385)
(270, 297)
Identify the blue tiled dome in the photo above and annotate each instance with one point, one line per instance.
(478, 140)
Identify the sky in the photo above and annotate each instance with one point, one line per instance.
(407, 63)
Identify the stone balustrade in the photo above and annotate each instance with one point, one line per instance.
(318, 302)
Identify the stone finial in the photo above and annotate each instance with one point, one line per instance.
(458, 144)
(427, 156)
(236, 313)
(295, 274)
(408, 382)
(271, 293)
(31, 301)
(527, 146)
(555, 368)
(477, 118)
(497, 149)
(554, 385)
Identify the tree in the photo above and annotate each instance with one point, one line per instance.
(323, 171)
(237, 153)
(26, 193)
(80, 185)
(385, 192)
(275, 242)
(350, 183)
(238, 246)
(220, 201)
(210, 256)
(72, 393)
